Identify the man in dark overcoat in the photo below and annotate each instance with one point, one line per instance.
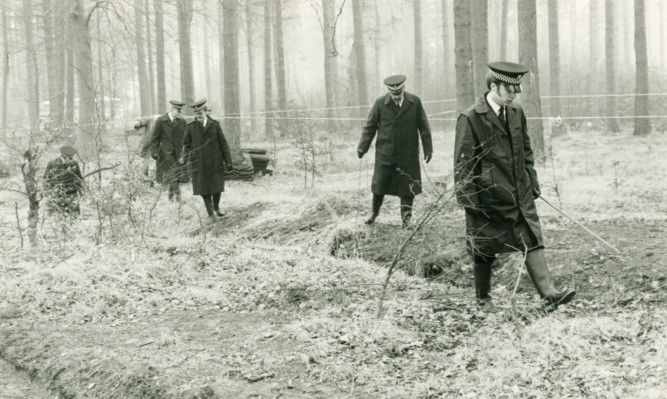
(63, 183)
(497, 185)
(166, 148)
(399, 120)
(206, 148)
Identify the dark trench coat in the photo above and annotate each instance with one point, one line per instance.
(208, 154)
(397, 168)
(496, 181)
(167, 146)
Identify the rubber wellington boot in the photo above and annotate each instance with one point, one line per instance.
(377, 204)
(482, 274)
(539, 273)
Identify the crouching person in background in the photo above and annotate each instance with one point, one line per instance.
(207, 151)
(63, 183)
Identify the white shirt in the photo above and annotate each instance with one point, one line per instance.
(496, 108)
(203, 123)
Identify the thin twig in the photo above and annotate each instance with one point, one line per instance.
(18, 222)
(101, 170)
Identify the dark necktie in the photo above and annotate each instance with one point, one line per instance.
(501, 116)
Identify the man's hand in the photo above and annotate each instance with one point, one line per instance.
(230, 168)
(427, 157)
(536, 193)
(154, 157)
(360, 154)
(181, 160)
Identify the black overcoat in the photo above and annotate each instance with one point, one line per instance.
(496, 181)
(167, 146)
(208, 154)
(397, 169)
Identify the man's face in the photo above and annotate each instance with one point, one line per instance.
(200, 115)
(396, 95)
(501, 95)
(176, 111)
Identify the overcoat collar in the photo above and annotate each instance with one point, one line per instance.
(483, 107)
(407, 100)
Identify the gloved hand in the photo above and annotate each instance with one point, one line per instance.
(154, 157)
(427, 157)
(230, 168)
(536, 193)
(360, 154)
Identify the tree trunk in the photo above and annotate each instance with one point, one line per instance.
(252, 92)
(330, 60)
(530, 93)
(32, 66)
(221, 56)
(268, 81)
(159, 57)
(661, 23)
(50, 47)
(593, 81)
(419, 47)
(151, 64)
(5, 65)
(377, 44)
(29, 171)
(100, 75)
(557, 129)
(465, 94)
(69, 73)
(185, 51)
(142, 69)
(479, 43)
(642, 125)
(448, 52)
(281, 80)
(232, 91)
(206, 59)
(610, 57)
(360, 55)
(503, 30)
(87, 137)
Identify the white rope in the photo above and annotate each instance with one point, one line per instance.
(606, 95)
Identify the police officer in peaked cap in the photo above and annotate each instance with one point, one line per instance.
(496, 184)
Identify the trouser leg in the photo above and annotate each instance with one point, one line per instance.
(216, 204)
(208, 203)
(406, 210)
(377, 204)
(175, 191)
(481, 269)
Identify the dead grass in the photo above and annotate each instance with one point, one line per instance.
(255, 305)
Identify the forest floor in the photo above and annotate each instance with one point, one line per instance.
(281, 298)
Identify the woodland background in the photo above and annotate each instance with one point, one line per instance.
(291, 295)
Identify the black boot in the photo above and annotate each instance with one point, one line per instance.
(406, 211)
(216, 205)
(175, 192)
(482, 274)
(539, 273)
(377, 204)
(208, 203)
